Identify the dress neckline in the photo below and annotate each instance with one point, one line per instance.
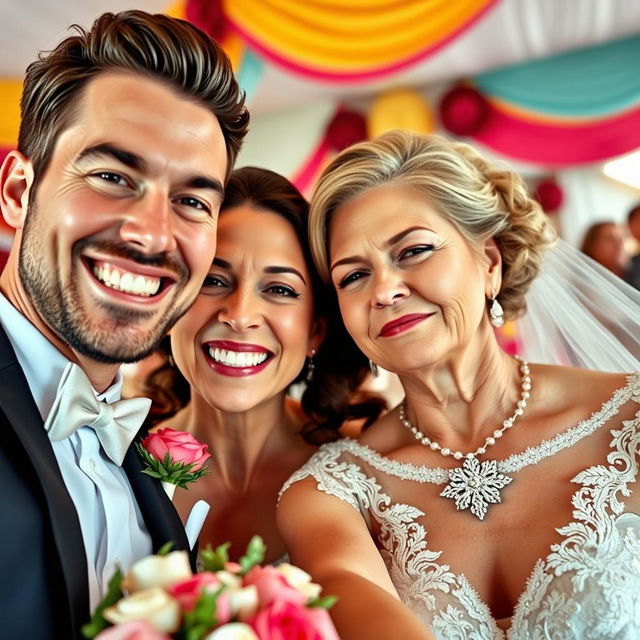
(514, 462)
(595, 512)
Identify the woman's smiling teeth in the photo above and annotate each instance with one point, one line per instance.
(237, 358)
(126, 282)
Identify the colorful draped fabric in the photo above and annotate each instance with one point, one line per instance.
(356, 40)
(577, 107)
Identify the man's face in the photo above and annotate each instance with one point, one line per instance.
(122, 229)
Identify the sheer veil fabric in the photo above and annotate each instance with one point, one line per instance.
(580, 314)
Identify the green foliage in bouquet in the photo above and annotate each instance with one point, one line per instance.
(197, 623)
(114, 593)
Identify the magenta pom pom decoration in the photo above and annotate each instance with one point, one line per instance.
(464, 111)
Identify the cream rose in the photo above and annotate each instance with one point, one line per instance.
(243, 602)
(233, 631)
(154, 605)
(158, 571)
(299, 580)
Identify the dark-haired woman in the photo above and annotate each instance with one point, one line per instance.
(259, 324)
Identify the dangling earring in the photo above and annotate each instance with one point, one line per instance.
(496, 312)
(170, 360)
(373, 367)
(310, 366)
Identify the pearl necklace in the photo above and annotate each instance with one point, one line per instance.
(475, 484)
(491, 440)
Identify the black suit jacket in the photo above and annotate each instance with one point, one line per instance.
(43, 573)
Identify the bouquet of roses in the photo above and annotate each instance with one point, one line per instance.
(160, 598)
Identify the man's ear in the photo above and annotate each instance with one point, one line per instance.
(16, 178)
(493, 259)
(318, 333)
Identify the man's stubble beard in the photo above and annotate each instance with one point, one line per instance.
(112, 340)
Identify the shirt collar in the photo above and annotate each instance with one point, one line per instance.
(41, 362)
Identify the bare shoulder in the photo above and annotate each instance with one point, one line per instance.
(304, 510)
(568, 384)
(569, 394)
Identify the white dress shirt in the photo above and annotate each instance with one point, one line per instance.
(113, 530)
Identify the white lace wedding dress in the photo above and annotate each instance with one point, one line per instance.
(588, 586)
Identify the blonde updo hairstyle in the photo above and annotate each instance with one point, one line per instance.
(481, 200)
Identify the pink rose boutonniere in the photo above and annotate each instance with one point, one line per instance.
(174, 457)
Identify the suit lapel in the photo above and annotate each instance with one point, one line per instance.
(160, 516)
(24, 418)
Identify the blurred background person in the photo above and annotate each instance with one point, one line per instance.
(605, 243)
(633, 222)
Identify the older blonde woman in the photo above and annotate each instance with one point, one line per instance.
(499, 495)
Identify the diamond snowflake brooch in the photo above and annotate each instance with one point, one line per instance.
(475, 485)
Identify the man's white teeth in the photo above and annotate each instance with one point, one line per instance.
(237, 358)
(127, 282)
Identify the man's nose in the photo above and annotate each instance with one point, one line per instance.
(149, 225)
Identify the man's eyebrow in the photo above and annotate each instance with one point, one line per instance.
(106, 150)
(205, 182)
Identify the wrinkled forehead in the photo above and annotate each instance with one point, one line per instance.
(378, 213)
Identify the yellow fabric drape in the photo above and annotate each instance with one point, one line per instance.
(350, 35)
(232, 43)
(10, 91)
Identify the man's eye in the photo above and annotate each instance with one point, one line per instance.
(114, 178)
(282, 290)
(189, 201)
(350, 278)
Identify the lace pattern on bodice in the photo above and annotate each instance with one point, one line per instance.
(587, 588)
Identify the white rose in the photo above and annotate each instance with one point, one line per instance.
(229, 579)
(158, 571)
(243, 602)
(233, 631)
(299, 580)
(154, 605)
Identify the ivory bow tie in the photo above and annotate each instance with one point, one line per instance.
(76, 406)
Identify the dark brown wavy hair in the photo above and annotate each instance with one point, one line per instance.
(340, 367)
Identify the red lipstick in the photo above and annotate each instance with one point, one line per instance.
(404, 323)
(233, 369)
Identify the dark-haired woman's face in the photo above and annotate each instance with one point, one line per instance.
(411, 288)
(246, 337)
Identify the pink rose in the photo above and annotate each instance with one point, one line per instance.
(134, 630)
(283, 620)
(181, 447)
(272, 585)
(188, 591)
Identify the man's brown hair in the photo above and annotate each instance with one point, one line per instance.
(156, 46)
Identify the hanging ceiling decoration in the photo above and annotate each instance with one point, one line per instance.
(340, 41)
